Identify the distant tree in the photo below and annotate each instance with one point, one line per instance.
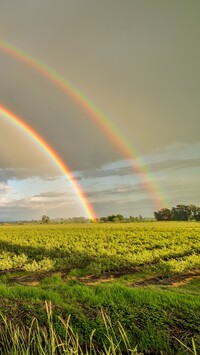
(197, 214)
(163, 215)
(111, 218)
(103, 219)
(119, 218)
(45, 219)
(194, 212)
(139, 218)
(181, 213)
(136, 219)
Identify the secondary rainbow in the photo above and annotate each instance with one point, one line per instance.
(20, 123)
(146, 177)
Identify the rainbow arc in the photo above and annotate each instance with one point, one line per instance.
(35, 136)
(146, 176)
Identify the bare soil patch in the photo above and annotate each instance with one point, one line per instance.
(173, 280)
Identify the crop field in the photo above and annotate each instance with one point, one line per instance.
(140, 279)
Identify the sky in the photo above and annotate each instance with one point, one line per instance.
(137, 61)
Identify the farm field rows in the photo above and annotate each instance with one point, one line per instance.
(144, 275)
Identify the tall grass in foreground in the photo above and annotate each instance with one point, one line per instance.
(37, 340)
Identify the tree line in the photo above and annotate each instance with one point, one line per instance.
(178, 213)
(111, 218)
(121, 218)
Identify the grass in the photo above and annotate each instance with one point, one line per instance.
(150, 317)
(34, 339)
(127, 288)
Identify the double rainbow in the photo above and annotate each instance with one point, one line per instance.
(96, 115)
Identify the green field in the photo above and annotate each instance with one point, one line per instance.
(144, 277)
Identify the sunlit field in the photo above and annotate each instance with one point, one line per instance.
(139, 281)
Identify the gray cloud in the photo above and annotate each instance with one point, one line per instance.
(143, 54)
(117, 192)
(51, 194)
(33, 207)
(22, 173)
(45, 173)
(163, 166)
(3, 188)
(137, 61)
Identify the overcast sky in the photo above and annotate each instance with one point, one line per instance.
(138, 62)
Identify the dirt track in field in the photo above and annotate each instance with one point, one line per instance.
(175, 280)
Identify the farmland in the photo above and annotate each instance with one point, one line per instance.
(144, 275)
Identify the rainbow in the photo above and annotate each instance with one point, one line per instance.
(20, 123)
(96, 115)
